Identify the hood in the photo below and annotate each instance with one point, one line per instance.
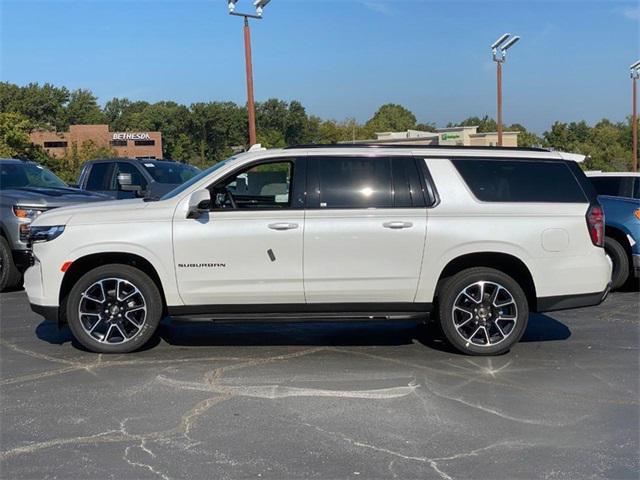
(88, 213)
(50, 197)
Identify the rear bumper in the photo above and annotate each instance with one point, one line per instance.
(636, 264)
(565, 302)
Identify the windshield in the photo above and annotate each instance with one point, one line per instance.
(197, 178)
(169, 172)
(19, 175)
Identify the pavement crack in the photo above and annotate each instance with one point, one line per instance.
(432, 462)
(143, 465)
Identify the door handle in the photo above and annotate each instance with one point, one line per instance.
(397, 225)
(283, 226)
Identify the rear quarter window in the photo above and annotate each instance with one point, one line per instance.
(520, 180)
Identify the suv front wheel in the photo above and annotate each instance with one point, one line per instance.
(483, 311)
(114, 309)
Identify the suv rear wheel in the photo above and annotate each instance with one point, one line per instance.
(114, 309)
(483, 311)
(620, 261)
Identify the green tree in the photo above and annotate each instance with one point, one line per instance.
(391, 118)
(83, 108)
(68, 167)
(484, 124)
(43, 105)
(217, 129)
(14, 136)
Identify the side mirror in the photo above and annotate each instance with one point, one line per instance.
(125, 182)
(199, 203)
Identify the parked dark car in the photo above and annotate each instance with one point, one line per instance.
(132, 178)
(26, 190)
(619, 195)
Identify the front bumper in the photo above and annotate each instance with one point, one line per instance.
(565, 302)
(49, 313)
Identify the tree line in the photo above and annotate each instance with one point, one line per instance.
(206, 132)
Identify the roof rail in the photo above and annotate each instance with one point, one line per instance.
(413, 146)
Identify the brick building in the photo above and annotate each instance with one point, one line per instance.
(126, 144)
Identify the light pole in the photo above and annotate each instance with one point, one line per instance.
(635, 74)
(499, 51)
(251, 109)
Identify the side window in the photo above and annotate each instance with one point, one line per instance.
(136, 177)
(607, 185)
(354, 182)
(520, 180)
(636, 187)
(100, 177)
(407, 188)
(259, 187)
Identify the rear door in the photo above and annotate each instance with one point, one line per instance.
(365, 229)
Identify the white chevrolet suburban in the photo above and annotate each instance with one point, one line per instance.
(478, 237)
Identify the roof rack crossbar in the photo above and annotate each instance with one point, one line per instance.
(413, 146)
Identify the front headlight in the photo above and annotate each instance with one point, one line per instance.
(27, 213)
(45, 234)
(26, 216)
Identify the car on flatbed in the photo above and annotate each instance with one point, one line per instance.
(122, 178)
(27, 189)
(475, 237)
(619, 194)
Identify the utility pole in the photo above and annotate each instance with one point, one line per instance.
(635, 74)
(251, 108)
(499, 52)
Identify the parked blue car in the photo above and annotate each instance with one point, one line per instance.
(619, 195)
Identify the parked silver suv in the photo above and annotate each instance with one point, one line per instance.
(26, 190)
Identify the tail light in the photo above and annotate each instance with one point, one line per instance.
(595, 224)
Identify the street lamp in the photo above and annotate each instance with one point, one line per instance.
(251, 109)
(635, 74)
(499, 51)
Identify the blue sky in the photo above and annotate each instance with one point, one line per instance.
(339, 58)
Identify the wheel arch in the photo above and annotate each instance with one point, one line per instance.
(88, 262)
(620, 236)
(506, 263)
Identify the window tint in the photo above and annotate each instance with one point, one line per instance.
(136, 176)
(100, 177)
(407, 189)
(264, 186)
(355, 182)
(170, 172)
(607, 185)
(636, 188)
(520, 181)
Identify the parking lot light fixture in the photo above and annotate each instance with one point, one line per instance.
(499, 52)
(251, 109)
(635, 74)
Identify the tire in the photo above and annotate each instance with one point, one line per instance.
(472, 327)
(10, 276)
(121, 309)
(620, 260)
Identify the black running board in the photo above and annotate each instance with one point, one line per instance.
(317, 312)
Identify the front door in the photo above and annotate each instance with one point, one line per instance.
(365, 230)
(248, 248)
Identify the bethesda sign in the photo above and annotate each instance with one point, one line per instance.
(130, 136)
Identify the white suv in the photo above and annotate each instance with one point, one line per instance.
(478, 237)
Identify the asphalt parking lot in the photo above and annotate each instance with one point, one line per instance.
(355, 400)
